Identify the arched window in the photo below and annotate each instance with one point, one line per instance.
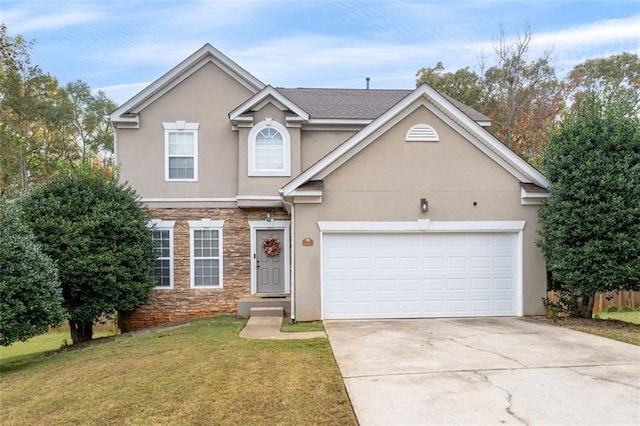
(269, 149)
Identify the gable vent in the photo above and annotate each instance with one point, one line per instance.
(422, 133)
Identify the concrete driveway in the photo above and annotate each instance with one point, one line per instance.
(484, 371)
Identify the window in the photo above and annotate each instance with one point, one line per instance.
(163, 244)
(269, 149)
(206, 253)
(181, 151)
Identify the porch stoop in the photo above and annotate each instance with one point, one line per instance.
(246, 304)
(266, 312)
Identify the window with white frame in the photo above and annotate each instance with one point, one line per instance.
(181, 151)
(162, 231)
(269, 149)
(206, 253)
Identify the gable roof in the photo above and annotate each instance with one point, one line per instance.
(264, 95)
(127, 113)
(445, 110)
(357, 103)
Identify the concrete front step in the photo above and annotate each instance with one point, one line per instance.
(266, 312)
(245, 304)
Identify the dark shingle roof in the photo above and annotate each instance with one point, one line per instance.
(356, 103)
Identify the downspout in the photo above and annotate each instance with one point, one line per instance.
(292, 263)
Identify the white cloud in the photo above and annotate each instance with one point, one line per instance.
(120, 93)
(27, 20)
(595, 34)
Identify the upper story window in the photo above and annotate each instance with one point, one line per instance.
(181, 151)
(269, 149)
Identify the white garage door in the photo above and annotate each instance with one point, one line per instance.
(419, 275)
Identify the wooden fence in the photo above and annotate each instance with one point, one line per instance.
(109, 325)
(620, 299)
(603, 301)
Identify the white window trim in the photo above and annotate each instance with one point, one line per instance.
(180, 126)
(160, 224)
(206, 224)
(256, 225)
(251, 151)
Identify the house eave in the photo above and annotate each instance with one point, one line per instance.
(533, 197)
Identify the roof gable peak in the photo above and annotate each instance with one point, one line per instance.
(127, 113)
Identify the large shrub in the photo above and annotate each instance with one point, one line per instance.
(591, 222)
(30, 294)
(95, 229)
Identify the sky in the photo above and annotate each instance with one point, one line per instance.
(122, 46)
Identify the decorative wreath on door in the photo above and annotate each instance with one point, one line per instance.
(271, 246)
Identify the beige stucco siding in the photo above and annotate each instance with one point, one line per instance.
(386, 181)
(316, 144)
(206, 97)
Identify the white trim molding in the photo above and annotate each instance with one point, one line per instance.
(444, 109)
(533, 197)
(256, 225)
(260, 99)
(422, 225)
(126, 116)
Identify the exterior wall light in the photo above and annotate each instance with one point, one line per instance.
(269, 217)
(424, 205)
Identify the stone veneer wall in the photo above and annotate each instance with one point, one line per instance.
(183, 302)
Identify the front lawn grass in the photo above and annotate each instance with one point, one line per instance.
(201, 373)
(21, 351)
(630, 316)
(287, 327)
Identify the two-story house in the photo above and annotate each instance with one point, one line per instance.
(334, 203)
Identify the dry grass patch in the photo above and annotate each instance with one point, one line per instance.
(612, 329)
(202, 373)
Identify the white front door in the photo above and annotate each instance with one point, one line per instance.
(396, 275)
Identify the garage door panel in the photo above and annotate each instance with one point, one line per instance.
(434, 284)
(504, 283)
(419, 275)
(456, 262)
(456, 284)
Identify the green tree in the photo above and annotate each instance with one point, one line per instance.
(463, 85)
(27, 112)
(591, 222)
(95, 229)
(615, 77)
(46, 130)
(86, 118)
(30, 294)
(521, 96)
